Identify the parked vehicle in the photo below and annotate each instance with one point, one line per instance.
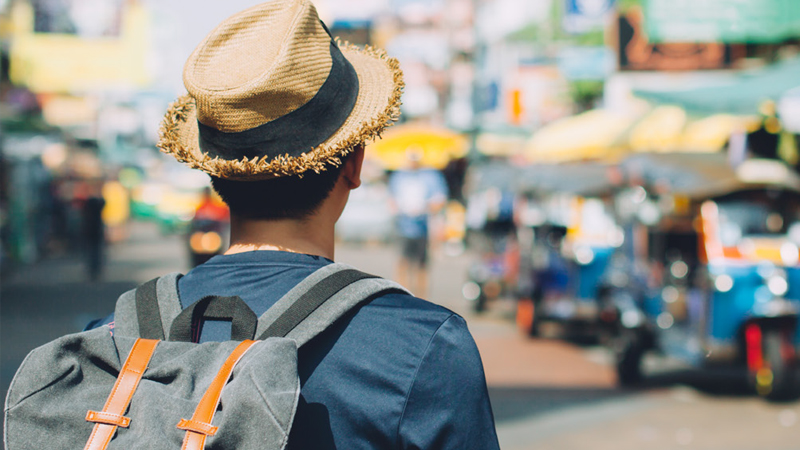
(564, 266)
(720, 285)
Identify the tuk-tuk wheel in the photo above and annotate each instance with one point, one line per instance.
(629, 351)
(479, 304)
(777, 380)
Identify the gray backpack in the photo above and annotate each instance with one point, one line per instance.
(150, 387)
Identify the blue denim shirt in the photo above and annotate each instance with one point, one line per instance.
(397, 373)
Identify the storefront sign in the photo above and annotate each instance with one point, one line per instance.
(638, 52)
(740, 21)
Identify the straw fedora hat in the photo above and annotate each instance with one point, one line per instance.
(271, 93)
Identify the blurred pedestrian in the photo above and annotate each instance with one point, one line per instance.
(278, 113)
(417, 194)
(94, 236)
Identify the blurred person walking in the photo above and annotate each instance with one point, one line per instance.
(94, 233)
(417, 194)
(278, 114)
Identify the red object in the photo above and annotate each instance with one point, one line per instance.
(525, 314)
(755, 356)
(212, 210)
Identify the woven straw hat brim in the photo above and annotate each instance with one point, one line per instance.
(377, 106)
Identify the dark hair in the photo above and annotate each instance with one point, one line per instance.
(289, 197)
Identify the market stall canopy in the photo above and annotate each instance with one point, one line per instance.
(669, 129)
(744, 96)
(707, 174)
(437, 145)
(500, 174)
(591, 135)
(580, 178)
(501, 143)
(690, 174)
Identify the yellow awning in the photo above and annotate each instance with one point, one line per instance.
(712, 133)
(659, 130)
(437, 145)
(500, 144)
(591, 135)
(668, 129)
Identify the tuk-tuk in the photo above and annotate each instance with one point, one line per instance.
(717, 282)
(562, 270)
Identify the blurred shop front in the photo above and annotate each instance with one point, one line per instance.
(77, 113)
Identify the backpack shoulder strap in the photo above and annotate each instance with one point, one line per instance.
(319, 300)
(147, 311)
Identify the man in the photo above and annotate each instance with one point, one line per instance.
(417, 193)
(278, 114)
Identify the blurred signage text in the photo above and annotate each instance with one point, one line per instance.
(54, 51)
(638, 52)
(739, 21)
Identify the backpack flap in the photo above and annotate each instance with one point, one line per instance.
(60, 382)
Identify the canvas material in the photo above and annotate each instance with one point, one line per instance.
(62, 380)
(169, 304)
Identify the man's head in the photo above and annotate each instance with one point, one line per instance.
(290, 197)
(274, 103)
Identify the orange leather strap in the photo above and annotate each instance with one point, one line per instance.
(111, 417)
(199, 427)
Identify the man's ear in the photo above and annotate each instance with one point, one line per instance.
(351, 172)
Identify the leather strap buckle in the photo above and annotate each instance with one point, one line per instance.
(108, 418)
(197, 427)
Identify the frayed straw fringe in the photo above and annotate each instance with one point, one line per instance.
(316, 160)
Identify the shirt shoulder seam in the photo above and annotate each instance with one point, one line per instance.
(416, 373)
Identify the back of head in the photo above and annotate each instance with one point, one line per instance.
(289, 197)
(274, 104)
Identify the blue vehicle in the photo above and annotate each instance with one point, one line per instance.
(561, 286)
(721, 286)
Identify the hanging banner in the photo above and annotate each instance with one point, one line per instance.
(740, 21)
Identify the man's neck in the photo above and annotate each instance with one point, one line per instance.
(313, 236)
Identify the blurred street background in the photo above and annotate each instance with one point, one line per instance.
(620, 200)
